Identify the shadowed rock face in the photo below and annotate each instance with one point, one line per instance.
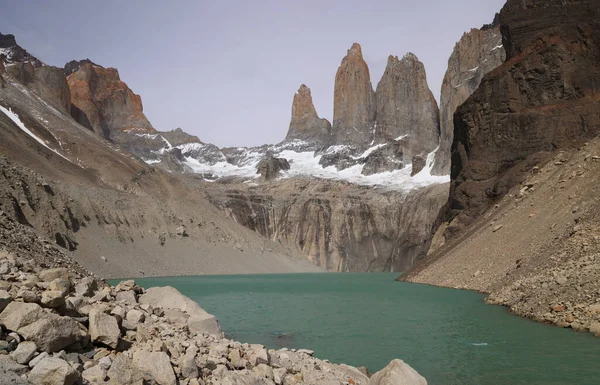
(47, 81)
(477, 53)
(14, 53)
(105, 104)
(305, 123)
(354, 101)
(544, 97)
(406, 106)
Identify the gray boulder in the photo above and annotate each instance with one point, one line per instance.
(53, 298)
(170, 298)
(123, 371)
(155, 366)
(7, 363)
(104, 329)
(50, 332)
(51, 274)
(397, 373)
(24, 352)
(53, 371)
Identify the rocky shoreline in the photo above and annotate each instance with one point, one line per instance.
(61, 325)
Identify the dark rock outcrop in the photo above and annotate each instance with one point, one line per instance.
(477, 53)
(354, 101)
(75, 65)
(14, 53)
(270, 167)
(306, 124)
(105, 104)
(543, 98)
(406, 106)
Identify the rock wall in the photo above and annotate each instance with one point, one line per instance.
(338, 226)
(306, 124)
(543, 98)
(406, 106)
(354, 101)
(105, 104)
(477, 53)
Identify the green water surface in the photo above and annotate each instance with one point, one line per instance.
(449, 336)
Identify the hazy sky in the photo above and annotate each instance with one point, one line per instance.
(227, 70)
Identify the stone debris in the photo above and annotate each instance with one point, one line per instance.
(102, 335)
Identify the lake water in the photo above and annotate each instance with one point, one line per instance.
(449, 336)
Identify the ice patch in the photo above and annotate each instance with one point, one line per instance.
(497, 47)
(15, 118)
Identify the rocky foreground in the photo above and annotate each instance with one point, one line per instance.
(60, 325)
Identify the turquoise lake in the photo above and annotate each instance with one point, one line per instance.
(451, 337)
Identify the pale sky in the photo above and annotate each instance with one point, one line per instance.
(227, 71)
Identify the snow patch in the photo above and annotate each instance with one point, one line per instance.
(15, 118)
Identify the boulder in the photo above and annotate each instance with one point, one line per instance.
(270, 166)
(53, 299)
(60, 284)
(155, 366)
(104, 329)
(50, 332)
(397, 373)
(86, 287)
(24, 352)
(50, 275)
(126, 296)
(94, 375)
(7, 363)
(170, 298)
(123, 371)
(188, 366)
(135, 316)
(53, 371)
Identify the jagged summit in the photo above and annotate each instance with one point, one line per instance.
(75, 65)
(354, 101)
(305, 123)
(14, 53)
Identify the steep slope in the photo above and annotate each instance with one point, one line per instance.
(353, 101)
(406, 107)
(478, 52)
(306, 124)
(524, 200)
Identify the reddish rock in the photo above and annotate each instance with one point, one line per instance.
(105, 104)
(558, 308)
(354, 101)
(305, 123)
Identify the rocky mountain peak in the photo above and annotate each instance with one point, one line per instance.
(354, 101)
(75, 65)
(305, 123)
(406, 106)
(104, 103)
(7, 41)
(14, 53)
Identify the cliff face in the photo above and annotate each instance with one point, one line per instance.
(306, 124)
(406, 106)
(543, 98)
(354, 101)
(477, 53)
(336, 225)
(105, 104)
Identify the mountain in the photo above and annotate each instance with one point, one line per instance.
(306, 124)
(353, 101)
(521, 221)
(478, 52)
(406, 108)
(103, 103)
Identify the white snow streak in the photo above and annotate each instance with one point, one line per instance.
(15, 118)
